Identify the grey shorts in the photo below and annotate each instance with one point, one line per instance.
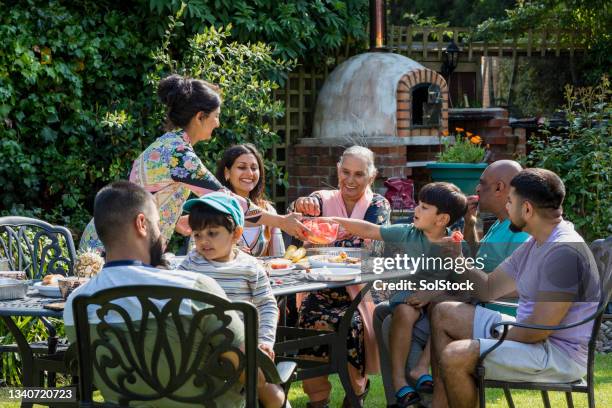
(522, 362)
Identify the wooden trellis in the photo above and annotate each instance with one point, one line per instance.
(428, 43)
(300, 97)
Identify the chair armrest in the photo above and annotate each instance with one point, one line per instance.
(286, 370)
(280, 373)
(545, 327)
(531, 326)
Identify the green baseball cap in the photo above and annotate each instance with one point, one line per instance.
(221, 202)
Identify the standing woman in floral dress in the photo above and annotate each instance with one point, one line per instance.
(170, 169)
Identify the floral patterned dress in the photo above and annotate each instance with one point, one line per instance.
(170, 169)
(323, 309)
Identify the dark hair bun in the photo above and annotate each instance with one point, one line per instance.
(185, 97)
(171, 89)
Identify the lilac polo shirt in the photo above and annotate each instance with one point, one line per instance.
(563, 264)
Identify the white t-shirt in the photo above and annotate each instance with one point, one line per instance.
(131, 273)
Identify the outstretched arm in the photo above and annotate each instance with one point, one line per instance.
(359, 228)
(187, 168)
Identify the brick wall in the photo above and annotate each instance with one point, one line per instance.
(312, 166)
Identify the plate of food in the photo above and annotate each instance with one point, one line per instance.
(341, 260)
(297, 257)
(279, 266)
(49, 286)
(331, 274)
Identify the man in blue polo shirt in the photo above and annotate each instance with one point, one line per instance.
(499, 242)
(493, 189)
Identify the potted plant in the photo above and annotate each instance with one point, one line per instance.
(461, 162)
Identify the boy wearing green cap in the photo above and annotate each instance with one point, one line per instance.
(217, 222)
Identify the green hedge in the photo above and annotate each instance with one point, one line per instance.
(75, 105)
(78, 104)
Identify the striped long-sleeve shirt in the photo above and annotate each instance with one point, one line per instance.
(244, 279)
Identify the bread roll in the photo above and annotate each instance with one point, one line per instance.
(51, 280)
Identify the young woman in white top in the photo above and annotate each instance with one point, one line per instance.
(242, 170)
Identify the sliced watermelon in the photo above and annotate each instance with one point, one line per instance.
(457, 236)
(321, 232)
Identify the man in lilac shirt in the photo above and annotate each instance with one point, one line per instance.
(555, 278)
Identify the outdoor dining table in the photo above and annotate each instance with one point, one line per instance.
(289, 339)
(32, 305)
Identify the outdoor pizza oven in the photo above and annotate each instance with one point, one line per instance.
(385, 101)
(382, 98)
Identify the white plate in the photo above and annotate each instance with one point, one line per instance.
(332, 274)
(322, 261)
(48, 290)
(281, 272)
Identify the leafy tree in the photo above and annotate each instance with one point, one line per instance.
(308, 29)
(587, 21)
(456, 13)
(78, 103)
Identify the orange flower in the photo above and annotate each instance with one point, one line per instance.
(445, 133)
(476, 140)
(469, 134)
(459, 129)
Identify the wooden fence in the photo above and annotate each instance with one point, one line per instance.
(428, 43)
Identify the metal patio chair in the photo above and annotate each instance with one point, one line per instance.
(121, 353)
(37, 248)
(602, 251)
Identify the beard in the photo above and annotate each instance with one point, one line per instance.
(516, 227)
(156, 251)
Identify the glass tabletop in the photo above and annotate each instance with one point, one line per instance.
(31, 305)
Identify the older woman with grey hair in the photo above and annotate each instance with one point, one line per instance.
(322, 310)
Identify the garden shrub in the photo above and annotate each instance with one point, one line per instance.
(75, 108)
(78, 103)
(581, 154)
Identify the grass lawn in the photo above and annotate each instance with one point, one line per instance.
(495, 398)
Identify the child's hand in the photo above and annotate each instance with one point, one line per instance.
(266, 348)
(452, 246)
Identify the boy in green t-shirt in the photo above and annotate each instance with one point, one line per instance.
(440, 205)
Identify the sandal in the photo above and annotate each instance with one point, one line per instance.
(425, 384)
(407, 396)
(347, 404)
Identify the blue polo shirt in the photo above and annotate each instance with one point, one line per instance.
(498, 244)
